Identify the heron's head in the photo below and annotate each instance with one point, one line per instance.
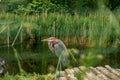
(51, 39)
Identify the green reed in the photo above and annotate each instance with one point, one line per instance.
(92, 30)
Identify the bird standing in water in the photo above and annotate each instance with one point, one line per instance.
(58, 47)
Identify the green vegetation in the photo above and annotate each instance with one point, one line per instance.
(95, 30)
(92, 30)
(64, 6)
(33, 76)
(86, 23)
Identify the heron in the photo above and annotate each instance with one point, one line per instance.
(60, 50)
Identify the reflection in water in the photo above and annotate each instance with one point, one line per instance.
(38, 58)
(18, 61)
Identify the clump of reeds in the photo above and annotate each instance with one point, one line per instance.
(101, 30)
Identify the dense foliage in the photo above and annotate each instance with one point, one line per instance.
(39, 6)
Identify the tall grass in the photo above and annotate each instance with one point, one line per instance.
(101, 30)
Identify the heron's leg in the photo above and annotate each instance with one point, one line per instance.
(58, 64)
(58, 67)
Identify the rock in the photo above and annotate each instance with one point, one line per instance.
(2, 67)
(62, 78)
(71, 77)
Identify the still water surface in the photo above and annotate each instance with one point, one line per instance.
(36, 57)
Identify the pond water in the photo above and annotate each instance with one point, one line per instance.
(36, 57)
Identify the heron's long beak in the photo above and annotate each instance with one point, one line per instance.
(46, 39)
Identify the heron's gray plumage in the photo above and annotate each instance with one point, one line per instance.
(59, 47)
(61, 51)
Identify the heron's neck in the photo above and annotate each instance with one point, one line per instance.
(52, 44)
